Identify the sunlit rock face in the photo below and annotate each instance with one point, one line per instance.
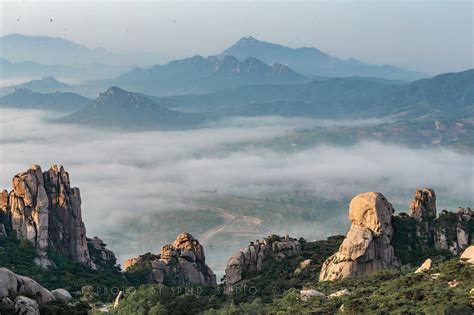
(367, 246)
(44, 209)
(29, 209)
(254, 256)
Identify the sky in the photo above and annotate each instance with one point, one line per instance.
(428, 36)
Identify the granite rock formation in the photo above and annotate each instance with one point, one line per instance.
(451, 231)
(468, 255)
(43, 208)
(423, 206)
(13, 285)
(178, 264)
(367, 247)
(256, 254)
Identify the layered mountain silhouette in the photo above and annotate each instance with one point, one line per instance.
(58, 101)
(311, 61)
(198, 74)
(54, 51)
(44, 85)
(29, 69)
(119, 108)
(443, 96)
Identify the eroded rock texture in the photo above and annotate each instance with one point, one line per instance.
(256, 254)
(367, 246)
(181, 263)
(423, 206)
(13, 285)
(44, 209)
(451, 231)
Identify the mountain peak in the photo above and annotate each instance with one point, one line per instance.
(112, 92)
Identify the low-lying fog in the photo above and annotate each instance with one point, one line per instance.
(124, 176)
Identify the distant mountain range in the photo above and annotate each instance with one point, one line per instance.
(44, 85)
(445, 95)
(54, 51)
(58, 101)
(121, 109)
(198, 74)
(311, 61)
(28, 70)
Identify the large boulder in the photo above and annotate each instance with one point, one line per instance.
(26, 306)
(12, 285)
(468, 255)
(61, 295)
(253, 257)
(367, 246)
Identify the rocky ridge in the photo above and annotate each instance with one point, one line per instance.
(44, 209)
(256, 254)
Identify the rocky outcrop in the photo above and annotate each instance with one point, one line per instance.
(423, 206)
(305, 295)
(451, 231)
(178, 264)
(3, 200)
(99, 253)
(13, 285)
(44, 209)
(367, 247)
(426, 265)
(28, 206)
(256, 254)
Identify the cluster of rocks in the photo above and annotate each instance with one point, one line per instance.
(367, 247)
(43, 208)
(181, 263)
(22, 295)
(256, 254)
(450, 231)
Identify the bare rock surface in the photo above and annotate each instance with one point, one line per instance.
(423, 206)
(426, 265)
(468, 255)
(367, 247)
(256, 254)
(180, 263)
(45, 209)
(26, 306)
(305, 295)
(61, 295)
(12, 285)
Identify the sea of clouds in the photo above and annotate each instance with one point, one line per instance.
(124, 175)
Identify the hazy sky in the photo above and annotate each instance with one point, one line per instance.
(425, 35)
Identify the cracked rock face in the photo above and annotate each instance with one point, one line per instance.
(367, 246)
(256, 254)
(423, 206)
(178, 264)
(182, 263)
(44, 209)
